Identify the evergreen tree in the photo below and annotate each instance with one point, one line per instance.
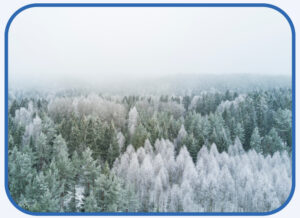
(114, 150)
(76, 171)
(75, 139)
(107, 190)
(190, 143)
(91, 203)
(39, 197)
(255, 142)
(139, 136)
(133, 117)
(153, 129)
(182, 134)
(128, 201)
(48, 128)
(283, 123)
(43, 151)
(11, 143)
(64, 128)
(186, 102)
(18, 135)
(63, 164)
(103, 143)
(55, 190)
(20, 172)
(89, 170)
(272, 142)
(90, 134)
(13, 107)
(239, 132)
(249, 125)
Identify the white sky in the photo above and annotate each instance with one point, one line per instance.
(63, 46)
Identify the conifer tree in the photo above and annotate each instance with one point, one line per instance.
(63, 164)
(255, 142)
(90, 134)
(20, 172)
(90, 204)
(75, 139)
(272, 142)
(107, 190)
(13, 107)
(128, 201)
(89, 171)
(114, 150)
(76, 172)
(239, 132)
(43, 151)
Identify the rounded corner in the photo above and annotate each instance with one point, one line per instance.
(284, 14)
(14, 203)
(287, 201)
(14, 15)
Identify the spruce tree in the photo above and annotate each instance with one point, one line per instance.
(13, 107)
(255, 142)
(139, 136)
(63, 164)
(20, 172)
(90, 204)
(107, 190)
(90, 134)
(74, 142)
(114, 150)
(239, 132)
(89, 171)
(76, 172)
(272, 142)
(43, 151)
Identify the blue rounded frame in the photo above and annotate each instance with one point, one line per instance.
(235, 5)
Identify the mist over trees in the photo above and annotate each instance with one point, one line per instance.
(191, 148)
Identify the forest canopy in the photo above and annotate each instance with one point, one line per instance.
(179, 148)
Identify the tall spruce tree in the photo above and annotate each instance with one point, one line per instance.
(255, 142)
(107, 190)
(89, 170)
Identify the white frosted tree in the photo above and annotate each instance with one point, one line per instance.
(148, 147)
(132, 120)
(236, 148)
(32, 131)
(219, 182)
(121, 140)
(146, 183)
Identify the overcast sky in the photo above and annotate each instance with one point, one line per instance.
(63, 46)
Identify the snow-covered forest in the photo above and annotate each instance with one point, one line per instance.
(217, 149)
